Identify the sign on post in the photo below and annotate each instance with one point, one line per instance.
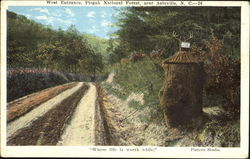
(185, 45)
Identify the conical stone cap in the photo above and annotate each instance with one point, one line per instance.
(181, 57)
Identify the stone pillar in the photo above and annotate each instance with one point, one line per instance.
(181, 95)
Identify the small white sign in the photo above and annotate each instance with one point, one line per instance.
(185, 45)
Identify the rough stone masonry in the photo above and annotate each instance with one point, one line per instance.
(181, 95)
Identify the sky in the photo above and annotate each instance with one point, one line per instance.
(91, 20)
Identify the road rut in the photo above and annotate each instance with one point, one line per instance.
(80, 130)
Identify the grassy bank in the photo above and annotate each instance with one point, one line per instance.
(145, 76)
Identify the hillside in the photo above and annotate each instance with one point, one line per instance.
(31, 44)
(99, 44)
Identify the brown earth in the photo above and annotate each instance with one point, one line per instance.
(102, 131)
(20, 107)
(48, 129)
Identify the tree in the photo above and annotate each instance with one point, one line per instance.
(149, 28)
(30, 44)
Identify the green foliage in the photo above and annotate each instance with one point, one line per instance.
(223, 76)
(98, 45)
(143, 29)
(151, 28)
(118, 50)
(94, 65)
(134, 104)
(116, 92)
(22, 84)
(145, 76)
(33, 45)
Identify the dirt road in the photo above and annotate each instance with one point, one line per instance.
(66, 119)
(27, 119)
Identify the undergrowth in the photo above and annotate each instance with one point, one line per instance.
(143, 76)
(114, 91)
(222, 88)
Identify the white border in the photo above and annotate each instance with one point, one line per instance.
(84, 151)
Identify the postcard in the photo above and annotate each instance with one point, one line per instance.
(164, 79)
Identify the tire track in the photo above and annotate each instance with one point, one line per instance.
(81, 129)
(28, 118)
(47, 129)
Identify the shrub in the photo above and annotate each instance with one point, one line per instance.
(137, 56)
(70, 76)
(57, 78)
(23, 83)
(102, 77)
(223, 76)
(156, 54)
(145, 76)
